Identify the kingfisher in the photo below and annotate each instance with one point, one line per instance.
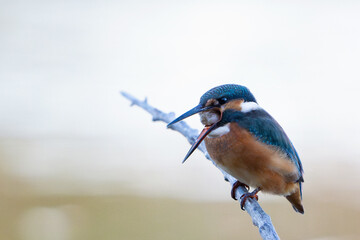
(247, 142)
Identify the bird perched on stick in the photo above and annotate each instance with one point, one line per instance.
(246, 142)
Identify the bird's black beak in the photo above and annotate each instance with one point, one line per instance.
(189, 113)
(203, 133)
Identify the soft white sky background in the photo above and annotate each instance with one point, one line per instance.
(62, 65)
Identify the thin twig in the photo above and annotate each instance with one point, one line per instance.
(259, 217)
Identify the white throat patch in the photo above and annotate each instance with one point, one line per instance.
(249, 106)
(220, 131)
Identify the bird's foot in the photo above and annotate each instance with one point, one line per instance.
(235, 186)
(245, 196)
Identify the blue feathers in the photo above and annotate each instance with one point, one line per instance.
(266, 130)
(230, 91)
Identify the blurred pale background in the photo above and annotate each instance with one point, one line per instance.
(78, 163)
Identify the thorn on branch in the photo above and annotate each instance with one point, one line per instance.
(172, 115)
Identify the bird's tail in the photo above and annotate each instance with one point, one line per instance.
(295, 200)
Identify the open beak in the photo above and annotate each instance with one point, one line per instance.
(202, 136)
(189, 113)
(203, 133)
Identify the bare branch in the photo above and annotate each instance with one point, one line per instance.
(259, 217)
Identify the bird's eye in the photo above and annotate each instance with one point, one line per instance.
(223, 100)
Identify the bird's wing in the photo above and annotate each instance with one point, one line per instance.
(267, 130)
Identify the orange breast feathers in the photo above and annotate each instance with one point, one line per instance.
(251, 162)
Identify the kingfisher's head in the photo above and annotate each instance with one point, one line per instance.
(214, 103)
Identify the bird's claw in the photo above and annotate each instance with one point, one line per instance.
(245, 196)
(235, 186)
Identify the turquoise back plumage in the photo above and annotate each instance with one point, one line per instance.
(266, 130)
